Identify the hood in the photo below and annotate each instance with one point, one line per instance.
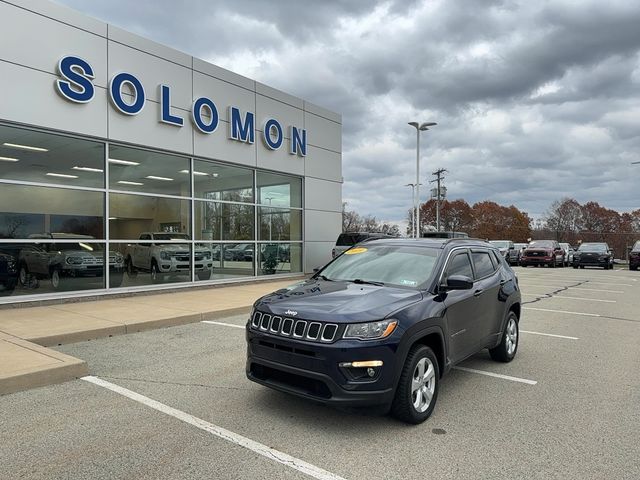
(339, 302)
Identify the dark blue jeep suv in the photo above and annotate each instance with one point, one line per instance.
(383, 322)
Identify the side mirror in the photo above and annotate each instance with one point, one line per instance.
(459, 282)
(316, 270)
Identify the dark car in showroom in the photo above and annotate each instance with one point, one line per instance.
(593, 254)
(542, 252)
(634, 256)
(381, 324)
(8, 273)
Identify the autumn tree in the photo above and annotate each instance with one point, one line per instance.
(564, 218)
(496, 222)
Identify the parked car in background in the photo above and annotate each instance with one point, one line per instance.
(634, 256)
(520, 248)
(543, 252)
(60, 261)
(347, 240)
(243, 252)
(380, 325)
(568, 253)
(593, 254)
(8, 273)
(507, 250)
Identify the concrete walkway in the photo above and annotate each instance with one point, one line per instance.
(25, 331)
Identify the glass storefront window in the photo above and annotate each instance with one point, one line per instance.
(279, 190)
(46, 158)
(213, 181)
(277, 224)
(49, 266)
(276, 258)
(223, 221)
(150, 172)
(149, 262)
(27, 210)
(229, 260)
(132, 215)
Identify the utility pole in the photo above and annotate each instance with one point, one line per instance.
(439, 174)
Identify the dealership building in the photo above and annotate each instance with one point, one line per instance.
(174, 172)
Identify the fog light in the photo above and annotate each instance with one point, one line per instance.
(362, 364)
(371, 372)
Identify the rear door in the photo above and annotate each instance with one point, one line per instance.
(486, 290)
(461, 307)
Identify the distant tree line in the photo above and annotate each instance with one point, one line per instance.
(353, 222)
(481, 220)
(569, 221)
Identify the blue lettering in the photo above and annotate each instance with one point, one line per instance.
(239, 130)
(165, 108)
(298, 141)
(76, 73)
(115, 92)
(196, 115)
(272, 127)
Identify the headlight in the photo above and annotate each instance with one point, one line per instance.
(370, 330)
(74, 260)
(165, 255)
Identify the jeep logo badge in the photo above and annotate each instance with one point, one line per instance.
(291, 312)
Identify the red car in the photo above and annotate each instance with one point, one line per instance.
(634, 257)
(543, 252)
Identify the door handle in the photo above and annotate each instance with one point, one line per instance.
(478, 292)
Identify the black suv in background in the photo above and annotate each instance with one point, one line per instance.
(347, 240)
(634, 257)
(593, 254)
(381, 324)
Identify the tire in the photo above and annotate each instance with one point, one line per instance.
(156, 276)
(575, 266)
(582, 266)
(508, 346)
(57, 280)
(633, 268)
(23, 274)
(552, 264)
(206, 275)
(404, 406)
(131, 270)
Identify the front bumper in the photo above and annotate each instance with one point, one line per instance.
(311, 370)
(591, 262)
(176, 265)
(538, 260)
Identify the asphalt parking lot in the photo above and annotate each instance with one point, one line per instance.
(566, 407)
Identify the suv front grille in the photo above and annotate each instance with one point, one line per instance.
(298, 329)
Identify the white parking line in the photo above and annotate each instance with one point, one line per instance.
(609, 283)
(574, 288)
(211, 322)
(219, 432)
(571, 298)
(562, 311)
(549, 335)
(497, 375)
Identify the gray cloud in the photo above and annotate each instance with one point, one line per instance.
(534, 100)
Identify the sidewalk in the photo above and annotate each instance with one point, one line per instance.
(24, 332)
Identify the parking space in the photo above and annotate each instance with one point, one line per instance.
(566, 407)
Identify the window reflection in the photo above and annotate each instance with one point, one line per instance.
(278, 224)
(279, 190)
(276, 258)
(214, 181)
(224, 221)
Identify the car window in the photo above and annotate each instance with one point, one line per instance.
(637, 245)
(459, 265)
(345, 240)
(482, 264)
(497, 259)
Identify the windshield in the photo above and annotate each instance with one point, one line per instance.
(500, 243)
(541, 244)
(637, 245)
(398, 265)
(593, 247)
(170, 236)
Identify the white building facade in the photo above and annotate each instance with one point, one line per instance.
(118, 151)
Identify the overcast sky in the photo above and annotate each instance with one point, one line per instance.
(534, 100)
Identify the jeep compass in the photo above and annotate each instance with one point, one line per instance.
(380, 325)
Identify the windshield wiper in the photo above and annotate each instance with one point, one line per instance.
(366, 282)
(325, 278)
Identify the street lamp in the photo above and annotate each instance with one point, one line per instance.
(413, 206)
(420, 127)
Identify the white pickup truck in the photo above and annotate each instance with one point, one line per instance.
(162, 254)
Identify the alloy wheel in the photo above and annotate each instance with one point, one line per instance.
(423, 384)
(511, 336)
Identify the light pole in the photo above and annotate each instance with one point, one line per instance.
(413, 207)
(420, 127)
(270, 214)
